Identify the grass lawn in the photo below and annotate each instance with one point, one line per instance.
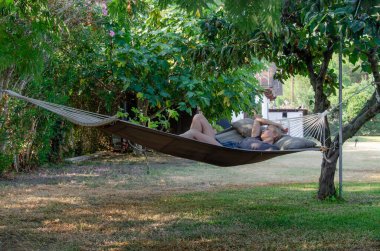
(184, 205)
(365, 139)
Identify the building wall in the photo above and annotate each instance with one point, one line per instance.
(288, 120)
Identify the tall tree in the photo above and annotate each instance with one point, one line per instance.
(309, 34)
(97, 55)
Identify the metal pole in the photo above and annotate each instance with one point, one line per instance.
(340, 121)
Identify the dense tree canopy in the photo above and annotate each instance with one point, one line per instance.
(151, 60)
(125, 57)
(309, 33)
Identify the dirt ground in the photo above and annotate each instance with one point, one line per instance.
(32, 206)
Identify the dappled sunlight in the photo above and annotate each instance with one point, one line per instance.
(78, 175)
(301, 189)
(375, 176)
(115, 244)
(32, 202)
(362, 188)
(140, 214)
(79, 212)
(177, 206)
(58, 225)
(175, 244)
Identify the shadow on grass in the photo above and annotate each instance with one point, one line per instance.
(275, 218)
(108, 205)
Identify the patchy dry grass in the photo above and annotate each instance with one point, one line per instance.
(365, 139)
(112, 204)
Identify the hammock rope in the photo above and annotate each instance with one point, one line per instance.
(76, 116)
(311, 126)
(314, 126)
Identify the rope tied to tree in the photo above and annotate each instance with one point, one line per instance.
(377, 95)
(311, 126)
(77, 116)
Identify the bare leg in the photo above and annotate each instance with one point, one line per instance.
(201, 130)
(197, 135)
(201, 124)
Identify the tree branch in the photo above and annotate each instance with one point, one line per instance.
(374, 63)
(370, 110)
(308, 59)
(327, 55)
(372, 107)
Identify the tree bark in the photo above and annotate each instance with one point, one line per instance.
(368, 111)
(326, 179)
(317, 80)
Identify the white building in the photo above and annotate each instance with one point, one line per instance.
(273, 89)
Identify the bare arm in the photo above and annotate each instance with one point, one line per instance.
(268, 122)
(256, 127)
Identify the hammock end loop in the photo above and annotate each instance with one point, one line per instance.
(323, 149)
(324, 114)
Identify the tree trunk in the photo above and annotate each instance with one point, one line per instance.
(326, 179)
(328, 166)
(368, 111)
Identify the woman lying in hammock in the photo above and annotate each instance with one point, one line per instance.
(201, 130)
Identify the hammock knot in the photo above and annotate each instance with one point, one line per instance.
(324, 114)
(324, 149)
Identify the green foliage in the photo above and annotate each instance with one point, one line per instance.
(355, 97)
(161, 120)
(26, 29)
(5, 162)
(250, 14)
(245, 14)
(303, 94)
(157, 68)
(310, 33)
(107, 56)
(192, 6)
(360, 25)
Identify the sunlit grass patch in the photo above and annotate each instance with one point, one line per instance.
(187, 206)
(373, 188)
(262, 217)
(365, 139)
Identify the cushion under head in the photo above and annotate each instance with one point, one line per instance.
(288, 142)
(229, 135)
(256, 144)
(243, 129)
(244, 126)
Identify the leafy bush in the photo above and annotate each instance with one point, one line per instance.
(5, 162)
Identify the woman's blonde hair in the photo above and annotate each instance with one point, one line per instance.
(277, 131)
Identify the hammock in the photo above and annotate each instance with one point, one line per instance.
(170, 143)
